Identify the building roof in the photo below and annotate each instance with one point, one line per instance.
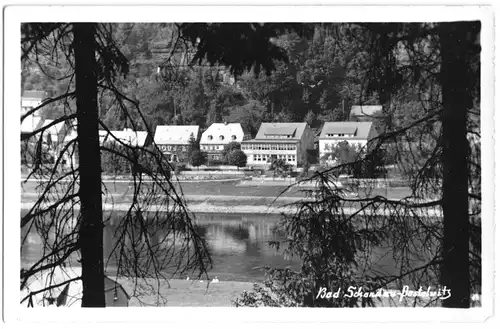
(365, 110)
(293, 129)
(285, 130)
(35, 94)
(175, 135)
(340, 129)
(274, 140)
(127, 136)
(361, 130)
(222, 133)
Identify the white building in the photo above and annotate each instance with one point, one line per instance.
(54, 137)
(31, 99)
(365, 112)
(174, 141)
(127, 136)
(287, 141)
(217, 136)
(355, 133)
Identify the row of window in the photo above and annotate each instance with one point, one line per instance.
(216, 157)
(330, 147)
(274, 147)
(211, 147)
(173, 148)
(268, 157)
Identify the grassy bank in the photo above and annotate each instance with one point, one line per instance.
(227, 190)
(189, 293)
(222, 294)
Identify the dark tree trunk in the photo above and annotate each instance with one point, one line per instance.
(454, 41)
(91, 230)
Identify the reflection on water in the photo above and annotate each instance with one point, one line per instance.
(238, 245)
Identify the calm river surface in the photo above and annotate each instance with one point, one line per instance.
(238, 244)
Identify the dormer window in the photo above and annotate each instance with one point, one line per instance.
(210, 137)
(221, 137)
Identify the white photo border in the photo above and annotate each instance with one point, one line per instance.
(15, 15)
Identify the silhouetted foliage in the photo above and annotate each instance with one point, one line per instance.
(237, 158)
(197, 158)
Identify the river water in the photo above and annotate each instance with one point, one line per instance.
(238, 244)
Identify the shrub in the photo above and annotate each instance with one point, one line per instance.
(197, 158)
(132, 160)
(237, 158)
(228, 149)
(152, 160)
(305, 170)
(312, 155)
(216, 162)
(279, 167)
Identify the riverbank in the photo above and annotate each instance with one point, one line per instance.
(187, 293)
(126, 179)
(194, 208)
(240, 208)
(225, 197)
(203, 293)
(196, 293)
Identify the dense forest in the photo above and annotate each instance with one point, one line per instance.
(322, 79)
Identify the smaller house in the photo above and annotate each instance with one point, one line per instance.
(54, 138)
(174, 141)
(365, 112)
(126, 136)
(355, 133)
(217, 136)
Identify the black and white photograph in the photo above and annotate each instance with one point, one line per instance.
(253, 163)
